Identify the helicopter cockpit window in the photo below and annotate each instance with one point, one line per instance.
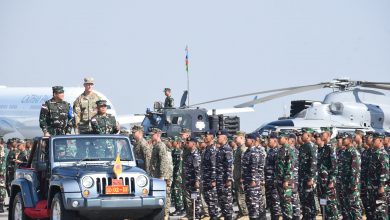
(200, 118)
(176, 120)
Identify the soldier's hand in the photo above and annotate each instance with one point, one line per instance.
(197, 185)
(285, 184)
(46, 134)
(253, 184)
(331, 185)
(213, 184)
(228, 183)
(310, 182)
(381, 190)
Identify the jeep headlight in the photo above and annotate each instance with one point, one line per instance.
(87, 182)
(142, 181)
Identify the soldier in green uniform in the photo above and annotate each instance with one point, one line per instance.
(284, 175)
(378, 175)
(184, 134)
(307, 175)
(237, 167)
(161, 166)
(365, 155)
(169, 102)
(102, 122)
(10, 163)
(56, 117)
(85, 107)
(350, 179)
(3, 169)
(23, 154)
(142, 149)
(177, 181)
(327, 171)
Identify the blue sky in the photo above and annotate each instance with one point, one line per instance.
(134, 49)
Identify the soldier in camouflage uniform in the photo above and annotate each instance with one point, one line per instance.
(102, 122)
(177, 181)
(366, 152)
(142, 149)
(272, 195)
(160, 165)
(10, 163)
(224, 165)
(169, 102)
(378, 176)
(209, 177)
(3, 170)
(56, 116)
(85, 107)
(340, 149)
(292, 141)
(307, 175)
(327, 172)
(184, 134)
(201, 150)
(284, 175)
(192, 169)
(261, 148)
(237, 185)
(350, 179)
(387, 148)
(251, 177)
(22, 156)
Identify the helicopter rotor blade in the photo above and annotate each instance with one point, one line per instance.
(321, 85)
(384, 86)
(282, 94)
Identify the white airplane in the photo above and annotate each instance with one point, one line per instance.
(20, 108)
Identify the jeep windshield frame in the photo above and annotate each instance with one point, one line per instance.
(90, 149)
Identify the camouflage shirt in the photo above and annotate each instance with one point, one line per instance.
(284, 169)
(237, 162)
(104, 124)
(192, 169)
(56, 117)
(177, 162)
(224, 164)
(209, 169)
(262, 158)
(250, 166)
(160, 166)
(307, 162)
(84, 109)
(327, 164)
(169, 103)
(3, 156)
(379, 168)
(350, 166)
(143, 151)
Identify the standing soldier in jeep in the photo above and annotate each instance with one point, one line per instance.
(85, 107)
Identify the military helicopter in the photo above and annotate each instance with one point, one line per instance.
(352, 105)
(199, 120)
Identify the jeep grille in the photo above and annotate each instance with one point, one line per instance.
(102, 182)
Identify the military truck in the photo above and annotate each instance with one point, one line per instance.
(72, 177)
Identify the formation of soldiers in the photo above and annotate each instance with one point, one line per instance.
(291, 174)
(294, 175)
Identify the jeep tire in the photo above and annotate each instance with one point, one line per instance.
(18, 208)
(58, 211)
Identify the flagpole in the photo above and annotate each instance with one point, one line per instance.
(188, 77)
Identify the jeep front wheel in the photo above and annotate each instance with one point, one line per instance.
(58, 211)
(18, 207)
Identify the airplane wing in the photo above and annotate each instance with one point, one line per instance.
(125, 120)
(226, 111)
(6, 127)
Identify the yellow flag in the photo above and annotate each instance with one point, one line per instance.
(117, 166)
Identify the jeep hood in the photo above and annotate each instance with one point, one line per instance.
(93, 169)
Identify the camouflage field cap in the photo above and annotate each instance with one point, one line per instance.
(307, 130)
(339, 136)
(348, 135)
(167, 89)
(378, 135)
(272, 135)
(177, 139)
(58, 89)
(359, 132)
(101, 103)
(282, 134)
(155, 131)
(369, 134)
(316, 135)
(185, 131)
(209, 133)
(222, 132)
(239, 133)
(326, 129)
(89, 80)
(136, 128)
(292, 136)
(192, 139)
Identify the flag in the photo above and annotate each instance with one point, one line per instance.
(117, 166)
(186, 58)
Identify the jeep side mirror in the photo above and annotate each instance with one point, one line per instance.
(41, 166)
(139, 162)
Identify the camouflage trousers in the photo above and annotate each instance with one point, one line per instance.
(307, 196)
(3, 191)
(190, 191)
(225, 199)
(351, 204)
(286, 204)
(365, 200)
(177, 193)
(296, 202)
(273, 202)
(262, 202)
(168, 202)
(211, 198)
(252, 198)
(378, 205)
(240, 197)
(324, 192)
